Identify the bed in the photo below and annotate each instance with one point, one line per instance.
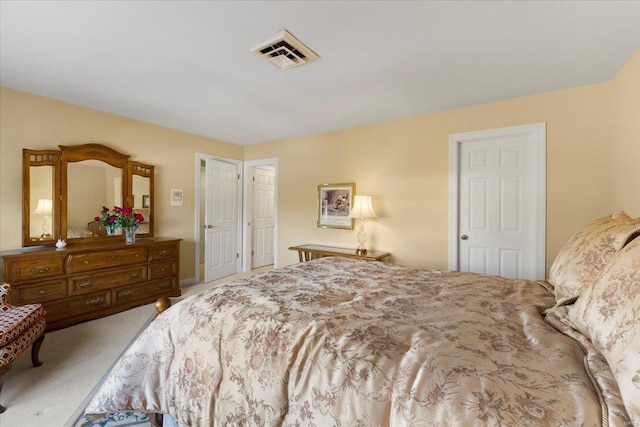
(344, 342)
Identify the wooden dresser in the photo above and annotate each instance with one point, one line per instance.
(91, 280)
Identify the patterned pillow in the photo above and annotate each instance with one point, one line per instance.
(586, 253)
(608, 313)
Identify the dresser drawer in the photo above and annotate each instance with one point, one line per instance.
(142, 290)
(92, 282)
(33, 268)
(162, 269)
(160, 252)
(78, 305)
(106, 259)
(39, 292)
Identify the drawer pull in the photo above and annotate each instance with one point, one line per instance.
(125, 294)
(164, 285)
(40, 269)
(44, 292)
(85, 262)
(164, 253)
(86, 284)
(95, 301)
(133, 275)
(137, 255)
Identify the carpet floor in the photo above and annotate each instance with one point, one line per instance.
(78, 419)
(75, 359)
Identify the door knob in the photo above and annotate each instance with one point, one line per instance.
(208, 226)
(464, 237)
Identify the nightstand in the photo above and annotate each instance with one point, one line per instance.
(309, 252)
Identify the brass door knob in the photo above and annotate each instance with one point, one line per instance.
(464, 237)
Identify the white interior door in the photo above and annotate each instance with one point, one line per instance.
(221, 220)
(248, 218)
(499, 224)
(263, 216)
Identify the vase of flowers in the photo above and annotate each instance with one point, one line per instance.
(109, 221)
(128, 220)
(121, 217)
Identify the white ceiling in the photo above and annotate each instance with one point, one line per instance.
(186, 64)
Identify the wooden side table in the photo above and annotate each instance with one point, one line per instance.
(309, 252)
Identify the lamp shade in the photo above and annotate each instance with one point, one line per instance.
(362, 208)
(45, 207)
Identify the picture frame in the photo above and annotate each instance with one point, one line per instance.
(176, 197)
(145, 201)
(334, 204)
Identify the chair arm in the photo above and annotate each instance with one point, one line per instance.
(5, 289)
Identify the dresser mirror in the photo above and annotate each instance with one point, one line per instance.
(140, 193)
(40, 195)
(63, 191)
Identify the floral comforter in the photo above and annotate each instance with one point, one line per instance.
(343, 342)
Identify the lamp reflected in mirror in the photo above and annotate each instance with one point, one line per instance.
(362, 210)
(45, 207)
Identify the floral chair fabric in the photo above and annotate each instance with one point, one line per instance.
(20, 327)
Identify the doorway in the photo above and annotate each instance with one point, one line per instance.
(260, 215)
(218, 222)
(497, 202)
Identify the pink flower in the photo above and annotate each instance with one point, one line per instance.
(120, 216)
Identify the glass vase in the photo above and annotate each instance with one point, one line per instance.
(130, 233)
(112, 229)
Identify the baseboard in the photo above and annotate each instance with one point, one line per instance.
(189, 281)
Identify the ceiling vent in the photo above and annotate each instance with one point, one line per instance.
(284, 50)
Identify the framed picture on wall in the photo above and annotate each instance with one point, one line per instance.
(177, 195)
(334, 205)
(145, 201)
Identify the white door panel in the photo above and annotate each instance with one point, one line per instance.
(496, 203)
(492, 173)
(221, 219)
(263, 216)
(477, 260)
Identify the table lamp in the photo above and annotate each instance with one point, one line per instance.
(362, 209)
(45, 207)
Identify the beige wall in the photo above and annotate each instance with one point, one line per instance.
(30, 121)
(625, 147)
(404, 165)
(592, 166)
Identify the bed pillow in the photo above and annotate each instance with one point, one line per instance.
(586, 253)
(608, 313)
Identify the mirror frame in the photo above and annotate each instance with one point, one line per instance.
(145, 171)
(78, 153)
(60, 160)
(40, 158)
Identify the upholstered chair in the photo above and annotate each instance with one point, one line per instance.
(20, 327)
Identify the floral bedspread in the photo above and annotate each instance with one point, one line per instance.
(343, 342)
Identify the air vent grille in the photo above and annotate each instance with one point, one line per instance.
(285, 51)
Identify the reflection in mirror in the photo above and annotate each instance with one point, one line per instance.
(141, 197)
(41, 226)
(91, 184)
